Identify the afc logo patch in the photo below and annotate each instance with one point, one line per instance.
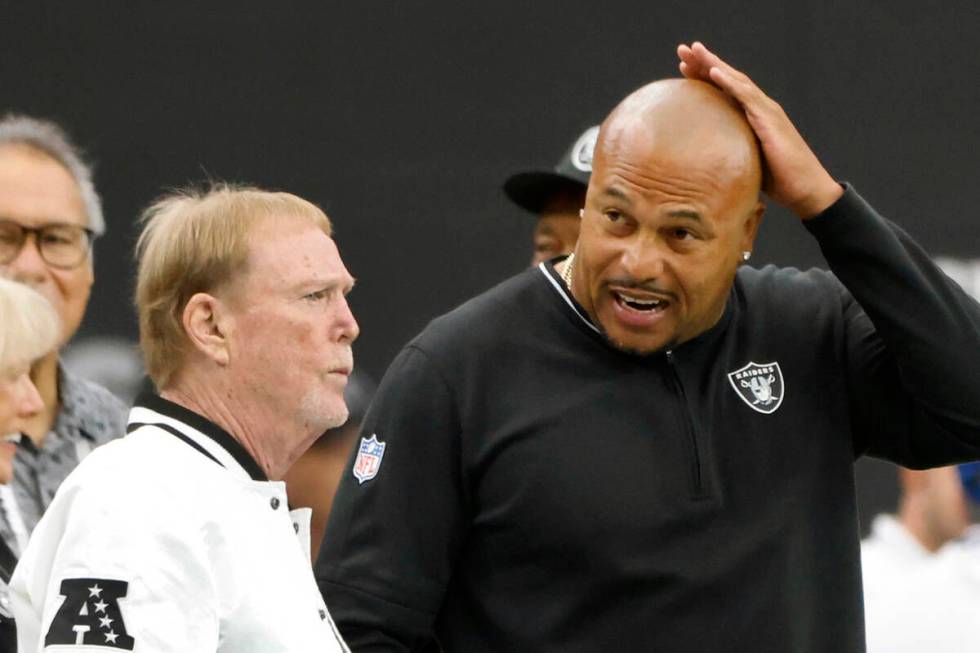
(368, 461)
(760, 385)
(90, 615)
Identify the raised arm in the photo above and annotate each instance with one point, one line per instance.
(912, 336)
(795, 177)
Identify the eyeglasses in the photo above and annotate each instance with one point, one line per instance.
(60, 245)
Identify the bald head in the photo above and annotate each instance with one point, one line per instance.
(689, 122)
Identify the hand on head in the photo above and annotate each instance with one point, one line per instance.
(795, 177)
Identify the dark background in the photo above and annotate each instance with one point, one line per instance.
(401, 119)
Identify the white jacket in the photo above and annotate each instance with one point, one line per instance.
(155, 544)
(917, 601)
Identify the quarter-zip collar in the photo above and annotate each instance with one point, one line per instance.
(582, 320)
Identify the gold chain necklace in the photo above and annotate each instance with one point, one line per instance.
(566, 274)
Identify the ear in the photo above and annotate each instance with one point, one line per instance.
(751, 226)
(207, 321)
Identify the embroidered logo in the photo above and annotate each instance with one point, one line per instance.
(584, 149)
(760, 385)
(368, 461)
(90, 615)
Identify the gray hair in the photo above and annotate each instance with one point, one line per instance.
(48, 138)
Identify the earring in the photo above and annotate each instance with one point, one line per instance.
(581, 213)
(746, 255)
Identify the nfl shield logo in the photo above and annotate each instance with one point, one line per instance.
(760, 385)
(368, 460)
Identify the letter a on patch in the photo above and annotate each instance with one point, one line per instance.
(90, 615)
(368, 461)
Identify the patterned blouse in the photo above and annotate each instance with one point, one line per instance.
(90, 415)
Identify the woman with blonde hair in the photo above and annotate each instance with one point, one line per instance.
(29, 329)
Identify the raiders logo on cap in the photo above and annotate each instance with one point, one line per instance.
(584, 149)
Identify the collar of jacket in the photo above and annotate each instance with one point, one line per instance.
(163, 406)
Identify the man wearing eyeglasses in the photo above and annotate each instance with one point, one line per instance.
(49, 215)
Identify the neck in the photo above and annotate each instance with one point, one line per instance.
(916, 524)
(565, 270)
(258, 433)
(44, 375)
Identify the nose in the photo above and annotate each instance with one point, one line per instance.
(345, 325)
(644, 258)
(28, 399)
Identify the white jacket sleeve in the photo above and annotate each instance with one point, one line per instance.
(112, 564)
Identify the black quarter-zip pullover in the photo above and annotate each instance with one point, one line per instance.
(540, 490)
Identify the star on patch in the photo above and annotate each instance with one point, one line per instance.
(81, 622)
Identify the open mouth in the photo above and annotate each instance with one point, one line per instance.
(639, 303)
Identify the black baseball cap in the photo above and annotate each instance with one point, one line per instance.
(531, 189)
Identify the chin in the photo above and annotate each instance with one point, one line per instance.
(335, 419)
(630, 343)
(327, 411)
(637, 349)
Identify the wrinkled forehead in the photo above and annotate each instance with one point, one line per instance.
(36, 188)
(289, 251)
(700, 159)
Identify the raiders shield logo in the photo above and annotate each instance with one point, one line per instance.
(760, 385)
(368, 461)
(90, 615)
(584, 148)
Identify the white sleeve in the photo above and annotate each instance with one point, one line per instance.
(116, 565)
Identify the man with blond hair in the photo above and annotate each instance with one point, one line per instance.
(247, 335)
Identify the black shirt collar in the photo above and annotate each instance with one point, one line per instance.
(160, 405)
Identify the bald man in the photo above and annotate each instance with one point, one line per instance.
(649, 446)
